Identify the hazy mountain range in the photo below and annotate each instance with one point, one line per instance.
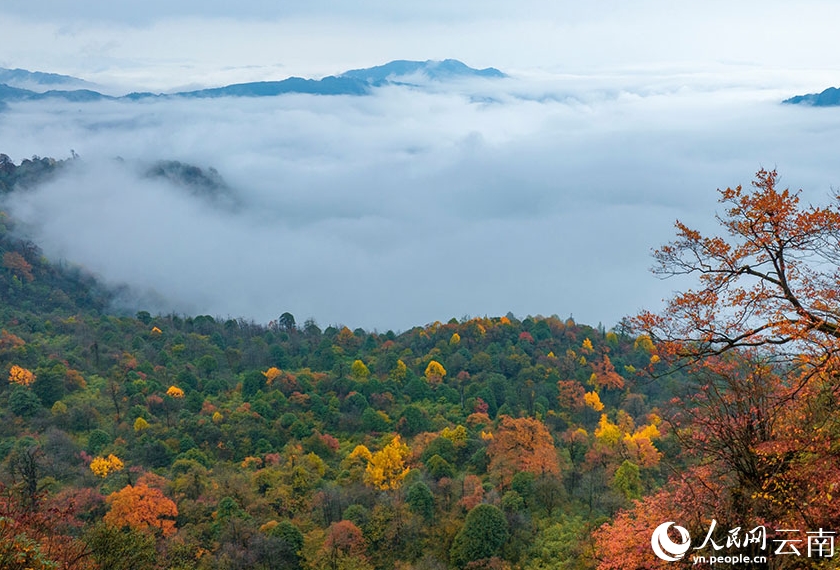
(23, 85)
(38, 81)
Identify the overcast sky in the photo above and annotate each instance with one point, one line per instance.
(539, 194)
(164, 44)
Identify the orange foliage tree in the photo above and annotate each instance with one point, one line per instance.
(770, 281)
(20, 375)
(15, 262)
(624, 543)
(272, 374)
(473, 492)
(572, 395)
(344, 547)
(763, 331)
(521, 444)
(142, 508)
(10, 341)
(605, 376)
(760, 337)
(175, 392)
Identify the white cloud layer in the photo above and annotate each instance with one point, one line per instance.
(543, 193)
(539, 194)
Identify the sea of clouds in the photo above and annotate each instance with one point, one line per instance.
(538, 194)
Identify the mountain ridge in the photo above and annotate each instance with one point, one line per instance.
(352, 82)
(30, 80)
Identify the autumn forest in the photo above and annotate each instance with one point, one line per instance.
(169, 441)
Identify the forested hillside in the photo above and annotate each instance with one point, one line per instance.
(176, 441)
(169, 441)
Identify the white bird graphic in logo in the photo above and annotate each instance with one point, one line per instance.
(667, 549)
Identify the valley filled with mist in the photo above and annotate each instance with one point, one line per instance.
(424, 198)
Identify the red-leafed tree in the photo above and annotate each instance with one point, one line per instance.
(605, 376)
(771, 280)
(16, 263)
(42, 538)
(624, 543)
(763, 332)
(344, 547)
(760, 339)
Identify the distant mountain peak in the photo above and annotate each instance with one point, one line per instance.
(827, 98)
(436, 70)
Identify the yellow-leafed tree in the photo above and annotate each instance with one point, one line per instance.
(361, 451)
(593, 401)
(140, 424)
(20, 375)
(102, 466)
(435, 372)
(458, 435)
(175, 392)
(359, 371)
(272, 374)
(399, 372)
(608, 432)
(386, 468)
